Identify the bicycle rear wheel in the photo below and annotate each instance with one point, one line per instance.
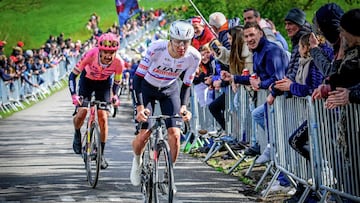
(163, 174)
(93, 156)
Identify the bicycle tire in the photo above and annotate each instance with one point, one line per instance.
(93, 156)
(163, 187)
(147, 176)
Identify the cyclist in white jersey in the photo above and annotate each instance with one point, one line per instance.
(156, 79)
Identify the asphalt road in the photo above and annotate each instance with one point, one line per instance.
(37, 163)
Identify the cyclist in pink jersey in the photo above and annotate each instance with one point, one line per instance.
(156, 79)
(96, 68)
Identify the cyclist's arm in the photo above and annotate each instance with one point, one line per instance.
(115, 86)
(184, 94)
(77, 70)
(118, 76)
(72, 82)
(137, 81)
(139, 75)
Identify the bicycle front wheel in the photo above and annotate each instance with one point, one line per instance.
(93, 155)
(163, 174)
(147, 176)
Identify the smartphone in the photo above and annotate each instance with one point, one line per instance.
(214, 47)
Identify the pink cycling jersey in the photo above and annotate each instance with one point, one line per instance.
(160, 69)
(94, 71)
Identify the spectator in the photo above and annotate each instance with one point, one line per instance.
(221, 25)
(2, 45)
(348, 69)
(295, 26)
(278, 35)
(203, 34)
(20, 44)
(327, 22)
(270, 62)
(17, 51)
(347, 62)
(252, 15)
(307, 79)
(51, 39)
(208, 72)
(239, 57)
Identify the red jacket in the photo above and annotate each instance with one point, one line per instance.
(204, 38)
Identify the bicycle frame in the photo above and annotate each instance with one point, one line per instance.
(92, 145)
(156, 145)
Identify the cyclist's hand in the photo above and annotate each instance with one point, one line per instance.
(186, 115)
(76, 100)
(142, 114)
(115, 100)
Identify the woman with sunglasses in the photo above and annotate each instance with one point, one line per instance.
(96, 68)
(156, 78)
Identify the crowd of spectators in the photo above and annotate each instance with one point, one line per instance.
(23, 64)
(322, 61)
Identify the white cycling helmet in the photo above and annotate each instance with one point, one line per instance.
(181, 30)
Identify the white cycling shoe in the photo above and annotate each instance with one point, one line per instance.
(135, 175)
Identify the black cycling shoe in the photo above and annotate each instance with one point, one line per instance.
(104, 163)
(77, 143)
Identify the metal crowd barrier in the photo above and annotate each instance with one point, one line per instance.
(333, 143)
(131, 40)
(201, 119)
(337, 133)
(14, 92)
(285, 116)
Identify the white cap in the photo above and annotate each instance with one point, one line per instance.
(217, 19)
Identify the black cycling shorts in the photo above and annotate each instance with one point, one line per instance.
(169, 101)
(101, 88)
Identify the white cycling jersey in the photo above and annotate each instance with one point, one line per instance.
(160, 69)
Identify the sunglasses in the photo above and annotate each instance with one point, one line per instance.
(109, 43)
(179, 43)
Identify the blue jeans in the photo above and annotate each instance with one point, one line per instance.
(258, 114)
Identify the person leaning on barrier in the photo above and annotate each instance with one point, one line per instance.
(308, 78)
(343, 85)
(239, 57)
(326, 22)
(270, 62)
(253, 15)
(343, 96)
(347, 61)
(208, 72)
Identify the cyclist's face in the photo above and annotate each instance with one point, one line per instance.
(180, 46)
(106, 57)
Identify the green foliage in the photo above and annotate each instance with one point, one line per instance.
(275, 10)
(32, 21)
(246, 180)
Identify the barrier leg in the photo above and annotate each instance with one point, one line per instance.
(271, 182)
(212, 152)
(236, 165)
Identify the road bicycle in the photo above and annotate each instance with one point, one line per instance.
(157, 177)
(91, 142)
